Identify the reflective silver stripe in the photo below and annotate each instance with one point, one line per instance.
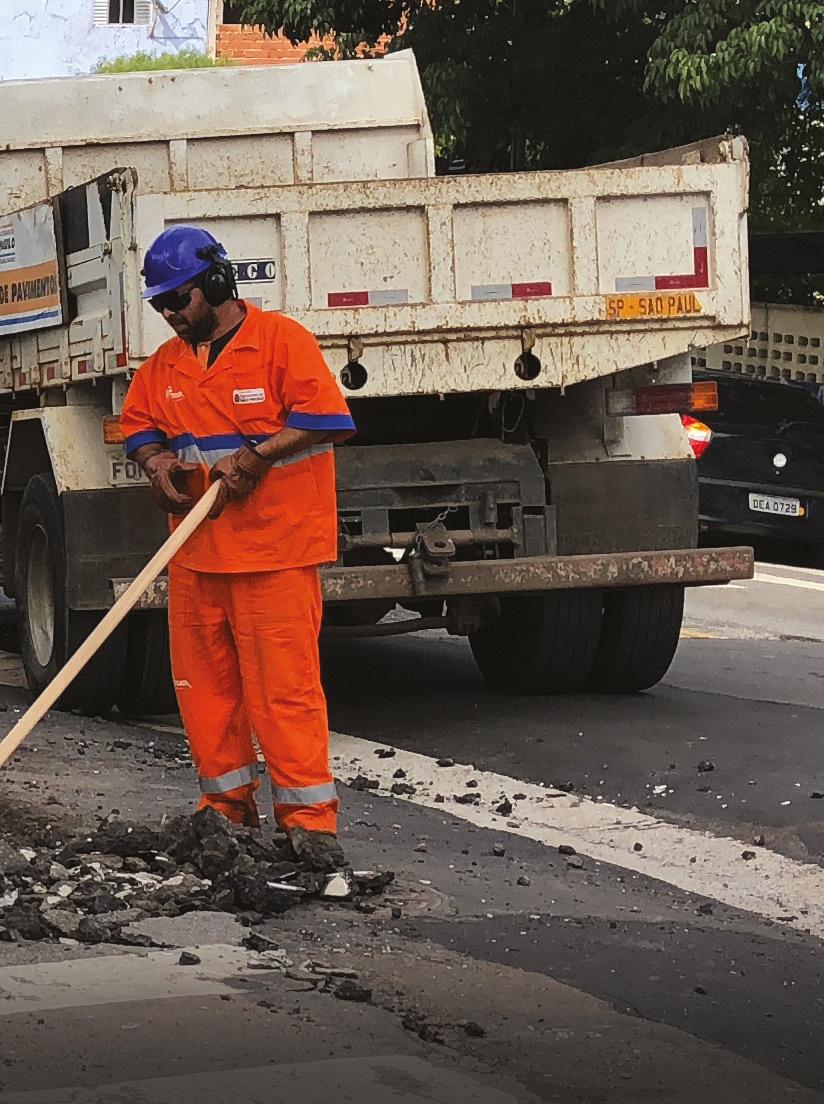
(193, 454)
(305, 795)
(230, 781)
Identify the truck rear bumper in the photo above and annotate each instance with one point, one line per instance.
(687, 567)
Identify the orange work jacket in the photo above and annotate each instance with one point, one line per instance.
(270, 375)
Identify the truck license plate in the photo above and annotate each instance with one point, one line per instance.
(123, 472)
(653, 305)
(773, 504)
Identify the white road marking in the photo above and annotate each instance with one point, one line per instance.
(802, 584)
(769, 885)
(116, 979)
(397, 1077)
(791, 568)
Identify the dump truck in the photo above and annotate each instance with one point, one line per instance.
(515, 349)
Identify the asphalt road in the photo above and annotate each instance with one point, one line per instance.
(656, 964)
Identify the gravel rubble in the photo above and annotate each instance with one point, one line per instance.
(91, 888)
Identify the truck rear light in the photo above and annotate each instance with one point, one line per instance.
(699, 435)
(112, 433)
(664, 398)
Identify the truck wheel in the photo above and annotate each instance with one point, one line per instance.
(49, 631)
(147, 688)
(638, 639)
(540, 645)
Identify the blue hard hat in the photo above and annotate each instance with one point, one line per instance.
(177, 256)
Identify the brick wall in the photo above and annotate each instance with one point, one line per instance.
(250, 46)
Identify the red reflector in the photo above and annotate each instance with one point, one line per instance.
(668, 398)
(348, 299)
(676, 398)
(122, 360)
(531, 291)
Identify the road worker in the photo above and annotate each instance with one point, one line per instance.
(243, 396)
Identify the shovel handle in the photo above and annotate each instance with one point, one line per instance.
(44, 701)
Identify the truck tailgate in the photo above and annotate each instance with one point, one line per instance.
(488, 282)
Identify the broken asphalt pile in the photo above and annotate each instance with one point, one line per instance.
(93, 887)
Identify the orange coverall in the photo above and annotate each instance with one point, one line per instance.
(244, 594)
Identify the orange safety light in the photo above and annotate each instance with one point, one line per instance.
(112, 433)
(664, 398)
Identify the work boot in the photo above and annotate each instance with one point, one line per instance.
(319, 850)
(236, 810)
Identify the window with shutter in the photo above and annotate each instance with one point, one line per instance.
(143, 11)
(109, 12)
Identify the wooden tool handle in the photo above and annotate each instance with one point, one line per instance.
(106, 627)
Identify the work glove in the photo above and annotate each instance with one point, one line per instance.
(167, 475)
(239, 474)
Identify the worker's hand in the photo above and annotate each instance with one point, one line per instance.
(239, 474)
(167, 475)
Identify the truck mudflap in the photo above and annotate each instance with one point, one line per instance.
(528, 575)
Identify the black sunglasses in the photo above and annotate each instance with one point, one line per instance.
(172, 300)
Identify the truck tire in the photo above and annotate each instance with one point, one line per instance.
(540, 645)
(147, 687)
(640, 633)
(49, 631)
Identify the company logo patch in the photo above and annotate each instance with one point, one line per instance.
(176, 395)
(182, 684)
(248, 395)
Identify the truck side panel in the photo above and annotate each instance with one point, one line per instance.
(182, 130)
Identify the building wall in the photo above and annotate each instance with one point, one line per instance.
(58, 38)
(243, 45)
(250, 46)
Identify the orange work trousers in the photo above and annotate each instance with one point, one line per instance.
(245, 660)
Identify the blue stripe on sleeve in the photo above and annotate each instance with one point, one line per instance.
(298, 420)
(215, 441)
(145, 437)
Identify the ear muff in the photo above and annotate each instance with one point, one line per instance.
(218, 283)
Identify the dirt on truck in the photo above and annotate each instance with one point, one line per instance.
(515, 349)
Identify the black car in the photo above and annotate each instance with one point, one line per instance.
(762, 476)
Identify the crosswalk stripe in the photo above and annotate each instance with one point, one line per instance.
(801, 584)
(769, 885)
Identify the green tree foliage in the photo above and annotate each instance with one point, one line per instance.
(562, 83)
(757, 66)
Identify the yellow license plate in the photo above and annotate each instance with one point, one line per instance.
(654, 304)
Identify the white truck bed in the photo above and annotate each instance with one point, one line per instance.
(435, 286)
(223, 127)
